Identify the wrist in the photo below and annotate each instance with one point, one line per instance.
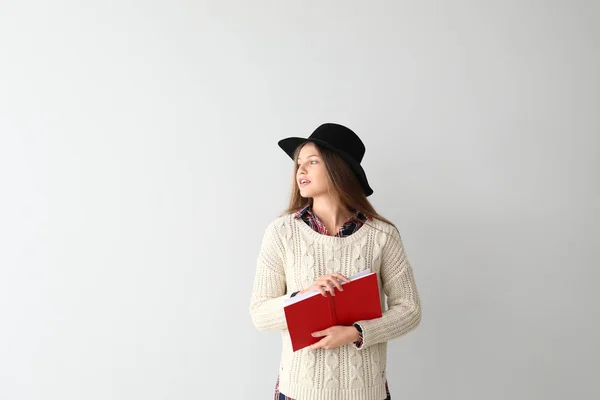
(354, 334)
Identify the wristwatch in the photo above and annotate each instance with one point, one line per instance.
(360, 333)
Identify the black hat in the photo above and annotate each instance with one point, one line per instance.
(339, 139)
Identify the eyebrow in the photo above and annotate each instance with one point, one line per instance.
(312, 155)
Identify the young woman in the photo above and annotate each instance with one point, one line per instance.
(330, 232)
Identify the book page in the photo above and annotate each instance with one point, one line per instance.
(300, 297)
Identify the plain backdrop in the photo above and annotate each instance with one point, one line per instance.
(139, 168)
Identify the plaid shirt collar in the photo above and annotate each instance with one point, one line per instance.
(349, 227)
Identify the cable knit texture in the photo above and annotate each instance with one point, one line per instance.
(291, 257)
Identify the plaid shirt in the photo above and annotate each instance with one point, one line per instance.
(349, 227)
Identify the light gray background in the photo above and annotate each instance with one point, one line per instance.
(139, 168)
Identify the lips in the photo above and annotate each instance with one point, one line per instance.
(303, 182)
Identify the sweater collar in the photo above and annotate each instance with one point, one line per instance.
(307, 211)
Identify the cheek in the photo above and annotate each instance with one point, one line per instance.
(322, 177)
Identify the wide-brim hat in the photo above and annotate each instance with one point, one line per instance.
(339, 139)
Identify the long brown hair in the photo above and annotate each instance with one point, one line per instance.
(342, 185)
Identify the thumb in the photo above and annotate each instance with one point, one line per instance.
(321, 333)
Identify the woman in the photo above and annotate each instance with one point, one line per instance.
(330, 232)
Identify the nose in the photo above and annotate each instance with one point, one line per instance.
(301, 169)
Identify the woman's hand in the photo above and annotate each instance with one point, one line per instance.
(335, 336)
(330, 281)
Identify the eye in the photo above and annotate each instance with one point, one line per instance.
(310, 162)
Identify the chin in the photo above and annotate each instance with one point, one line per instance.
(305, 193)
(310, 193)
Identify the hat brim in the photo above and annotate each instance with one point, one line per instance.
(289, 146)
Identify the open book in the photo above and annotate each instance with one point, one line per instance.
(311, 312)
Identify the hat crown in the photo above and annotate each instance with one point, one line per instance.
(339, 139)
(342, 138)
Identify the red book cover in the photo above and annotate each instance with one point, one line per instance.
(312, 312)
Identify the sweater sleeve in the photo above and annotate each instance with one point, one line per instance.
(404, 307)
(269, 290)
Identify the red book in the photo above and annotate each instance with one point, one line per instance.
(311, 312)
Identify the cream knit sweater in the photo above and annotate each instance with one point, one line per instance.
(291, 257)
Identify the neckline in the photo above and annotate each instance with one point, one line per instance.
(362, 231)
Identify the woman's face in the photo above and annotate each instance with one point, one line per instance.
(311, 169)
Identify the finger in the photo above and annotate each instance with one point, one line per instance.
(320, 289)
(336, 282)
(320, 344)
(322, 279)
(331, 287)
(324, 332)
(342, 277)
